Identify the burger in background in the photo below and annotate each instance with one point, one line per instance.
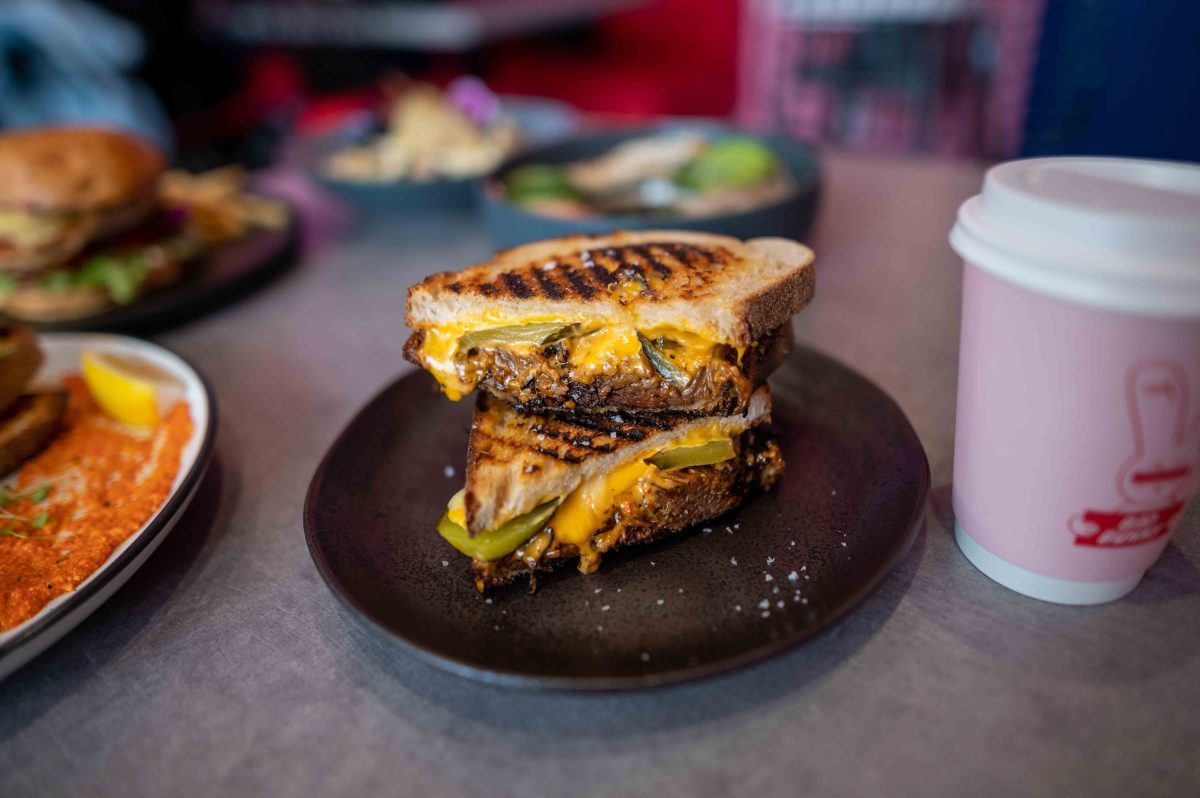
(90, 219)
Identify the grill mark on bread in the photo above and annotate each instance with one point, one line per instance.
(548, 284)
(685, 270)
(646, 252)
(579, 281)
(516, 285)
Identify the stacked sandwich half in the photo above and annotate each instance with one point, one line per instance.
(622, 388)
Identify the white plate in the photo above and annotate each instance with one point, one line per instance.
(62, 351)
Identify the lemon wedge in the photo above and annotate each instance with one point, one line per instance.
(129, 389)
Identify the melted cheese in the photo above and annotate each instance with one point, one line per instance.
(588, 507)
(608, 351)
(438, 350)
(456, 510)
(605, 351)
(30, 229)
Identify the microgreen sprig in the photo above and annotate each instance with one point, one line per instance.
(37, 496)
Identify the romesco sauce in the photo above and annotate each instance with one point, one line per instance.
(104, 480)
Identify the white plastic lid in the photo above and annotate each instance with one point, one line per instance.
(1115, 233)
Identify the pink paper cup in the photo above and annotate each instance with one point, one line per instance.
(1077, 444)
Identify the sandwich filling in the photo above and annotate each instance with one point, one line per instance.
(32, 230)
(594, 517)
(460, 359)
(552, 365)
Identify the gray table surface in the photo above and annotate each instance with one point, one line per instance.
(226, 667)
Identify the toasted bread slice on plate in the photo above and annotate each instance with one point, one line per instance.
(654, 321)
(28, 426)
(542, 489)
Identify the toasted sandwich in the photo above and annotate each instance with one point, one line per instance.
(544, 489)
(646, 322)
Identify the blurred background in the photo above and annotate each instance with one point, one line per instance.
(221, 81)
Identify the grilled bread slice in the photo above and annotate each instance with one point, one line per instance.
(28, 426)
(540, 487)
(20, 358)
(572, 323)
(516, 461)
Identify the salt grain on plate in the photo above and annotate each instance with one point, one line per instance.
(487, 601)
(445, 563)
(762, 605)
(779, 604)
(737, 608)
(768, 578)
(448, 471)
(770, 560)
(793, 577)
(733, 560)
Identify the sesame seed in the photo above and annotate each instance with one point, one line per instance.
(737, 608)
(645, 656)
(764, 604)
(597, 590)
(487, 601)
(448, 471)
(765, 613)
(793, 577)
(605, 608)
(445, 563)
(660, 602)
(779, 604)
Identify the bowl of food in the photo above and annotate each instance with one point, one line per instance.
(689, 177)
(428, 146)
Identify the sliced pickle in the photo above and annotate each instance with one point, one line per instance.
(665, 368)
(537, 333)
(495, 543)
(688, 456)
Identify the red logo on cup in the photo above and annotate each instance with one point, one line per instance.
(1154, 482)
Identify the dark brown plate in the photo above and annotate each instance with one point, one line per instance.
(845, 512)
(210, 281)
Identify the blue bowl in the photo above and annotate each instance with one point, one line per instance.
(790, 217)
(540, 121)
